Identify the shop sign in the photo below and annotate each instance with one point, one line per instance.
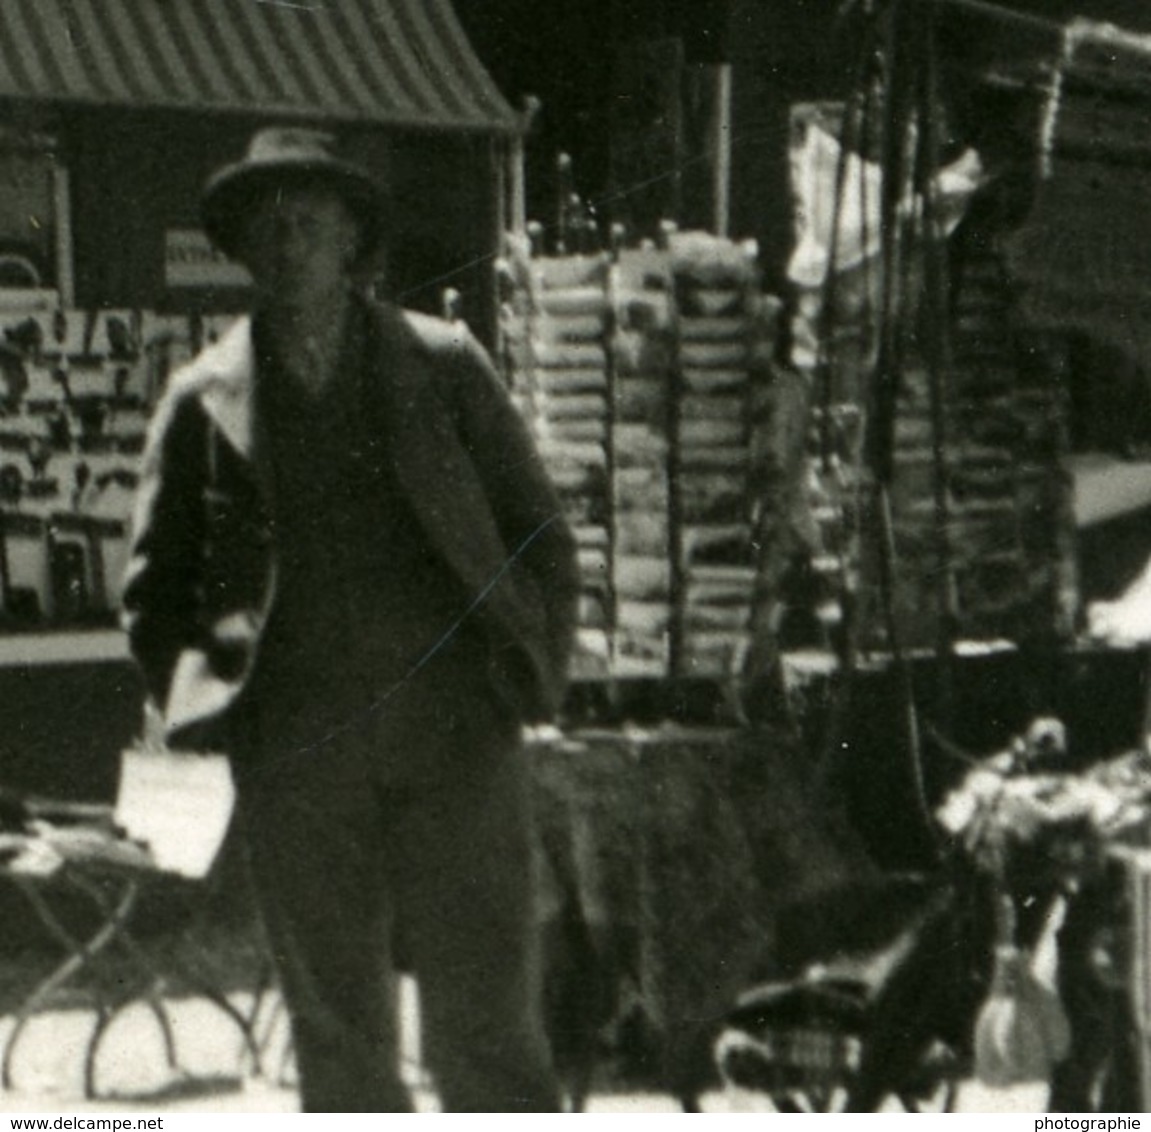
(190, 260)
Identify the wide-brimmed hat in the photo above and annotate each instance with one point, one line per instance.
(291, 155)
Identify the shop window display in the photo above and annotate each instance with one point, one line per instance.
(76, 390)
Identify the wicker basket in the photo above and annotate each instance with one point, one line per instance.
(800, 1044)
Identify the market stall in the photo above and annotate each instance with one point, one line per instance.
(828, 545)
(115, 115)
(895, 518)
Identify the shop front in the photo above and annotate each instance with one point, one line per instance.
(115, 113)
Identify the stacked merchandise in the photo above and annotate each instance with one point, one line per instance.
(78, 387)
(715, 297)
(981, 537)
(980, 511)
(555, 327)
(639, 375)
(1011, 530)
(982, 525)
(643, 361)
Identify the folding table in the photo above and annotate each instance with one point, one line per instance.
(74, 857)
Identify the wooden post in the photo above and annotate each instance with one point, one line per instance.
(517, 191)
(721, 150)
(62, 209)
(517, 204)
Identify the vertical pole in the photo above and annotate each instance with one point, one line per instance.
(518, 197)
(62, 209)
(721, 149)
(501, 160)
(486, 321)
(516, 173)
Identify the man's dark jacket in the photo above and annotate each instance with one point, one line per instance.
(201, 580)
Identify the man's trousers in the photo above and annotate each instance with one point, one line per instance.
(418, 840)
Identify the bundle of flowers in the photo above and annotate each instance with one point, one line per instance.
(1022, 815)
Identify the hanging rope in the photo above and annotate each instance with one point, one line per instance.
(912, 326)
(936, 321)
(898, 122)
(855, 138)
(908, 247)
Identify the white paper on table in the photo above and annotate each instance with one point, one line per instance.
(179, 805)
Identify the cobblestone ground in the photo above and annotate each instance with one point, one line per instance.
(214, 1073)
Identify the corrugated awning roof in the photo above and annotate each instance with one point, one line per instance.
(400, 62)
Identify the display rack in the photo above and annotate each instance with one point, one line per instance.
(77, 390)
(643, 374)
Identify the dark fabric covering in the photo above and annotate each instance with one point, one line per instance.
(1083, 255)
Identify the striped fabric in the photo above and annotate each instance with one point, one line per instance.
(400, 62)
